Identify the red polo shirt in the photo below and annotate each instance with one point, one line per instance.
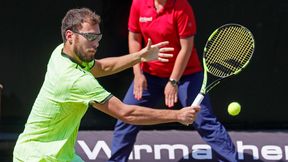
(176, 20)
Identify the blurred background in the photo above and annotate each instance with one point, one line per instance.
(30, 30)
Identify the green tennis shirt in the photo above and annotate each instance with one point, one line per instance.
(52, 127)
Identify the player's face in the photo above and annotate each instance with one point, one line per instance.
(86, 41)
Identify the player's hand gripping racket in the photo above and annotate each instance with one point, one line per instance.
(227, 51)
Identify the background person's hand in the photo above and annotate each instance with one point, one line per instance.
(171, 94)
(140, 84)
(187, 115)
(156, 52)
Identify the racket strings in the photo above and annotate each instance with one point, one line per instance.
(228, 46)
(228, 50)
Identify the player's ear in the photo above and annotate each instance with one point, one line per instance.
(68, 36)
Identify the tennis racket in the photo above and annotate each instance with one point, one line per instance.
(227, 52)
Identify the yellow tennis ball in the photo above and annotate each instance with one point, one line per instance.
(234, 108)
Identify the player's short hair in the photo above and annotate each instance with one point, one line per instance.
(75, 17)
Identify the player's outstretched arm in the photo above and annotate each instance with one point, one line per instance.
(111, 65)
(138, 115)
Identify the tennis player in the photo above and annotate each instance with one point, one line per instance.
(70, 88)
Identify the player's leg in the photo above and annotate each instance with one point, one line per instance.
(124, 135)
(207, 125)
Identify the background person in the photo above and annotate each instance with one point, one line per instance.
(179, 79)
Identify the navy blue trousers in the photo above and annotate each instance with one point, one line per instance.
(207, 125)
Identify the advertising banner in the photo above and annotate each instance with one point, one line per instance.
(185, 146)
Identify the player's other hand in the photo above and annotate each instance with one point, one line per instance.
(187, 115)
(156, 52)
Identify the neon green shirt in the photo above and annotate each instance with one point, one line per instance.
(52, 127)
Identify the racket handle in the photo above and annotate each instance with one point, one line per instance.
(198, 99)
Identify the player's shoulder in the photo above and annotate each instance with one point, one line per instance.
(60, 66)
(56, 55)
(58, 49)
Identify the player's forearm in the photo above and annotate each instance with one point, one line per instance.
(146, 116)
(112, 65)
(137, 115)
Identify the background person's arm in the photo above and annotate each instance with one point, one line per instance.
(179, 67)
(135, 45)
(140, 82)
(182, 57)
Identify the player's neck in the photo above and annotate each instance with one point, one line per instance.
(67, 49)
